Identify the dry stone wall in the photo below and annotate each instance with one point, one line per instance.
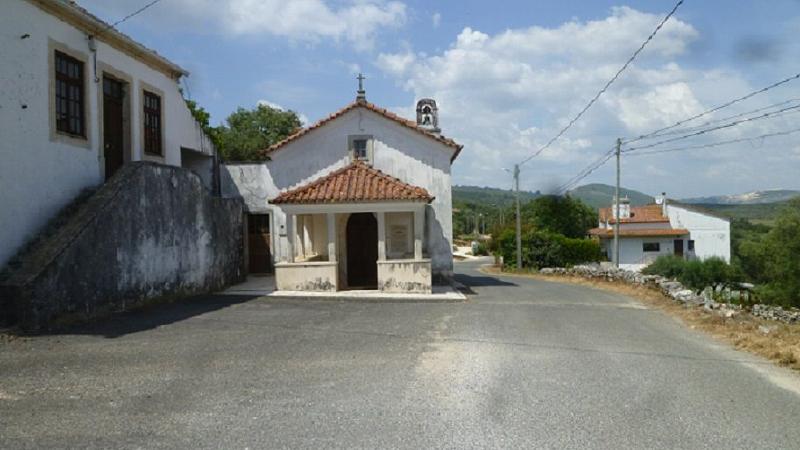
(675, 290)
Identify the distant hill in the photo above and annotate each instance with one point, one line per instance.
(489, 196)
(756, 212)
(750, 198)
(599, 195)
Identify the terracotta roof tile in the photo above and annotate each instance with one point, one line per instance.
(374, 108)
(640, 232)
(639, 214)
(356, 182)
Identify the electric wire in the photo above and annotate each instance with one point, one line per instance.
(605, 88)
(742, 114)
(719, 143)
(708, 130)
(716, 108)
(585, 172)
(608, 155)
(129, 16)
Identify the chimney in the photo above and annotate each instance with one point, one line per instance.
(624, 208)
(662, 200)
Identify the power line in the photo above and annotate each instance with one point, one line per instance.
(707, 130)
(716, 108)
(586, 171)
(711, 122)
(138, 11)
(609, 154)
(717, 144)
(607, 85)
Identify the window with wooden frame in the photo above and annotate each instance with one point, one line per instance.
(69, 92)
(152, 124)
(360, 148)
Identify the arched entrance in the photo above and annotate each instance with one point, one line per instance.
(362, 251)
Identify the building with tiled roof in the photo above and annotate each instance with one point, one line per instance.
(358, 200)
(87, 99)
(354, 183)
(663, 228)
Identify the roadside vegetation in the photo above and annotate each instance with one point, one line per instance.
(770, 258)
(553, 234)
(696, 274)
(767, 256)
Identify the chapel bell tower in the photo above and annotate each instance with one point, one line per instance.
(428, 115)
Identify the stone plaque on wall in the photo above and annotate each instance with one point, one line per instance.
(398, 239)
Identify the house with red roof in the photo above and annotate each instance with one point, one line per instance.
(359, 200)
(663, 228)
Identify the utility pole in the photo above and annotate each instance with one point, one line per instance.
(519, 220)
(616, 206)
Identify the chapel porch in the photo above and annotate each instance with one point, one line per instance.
(355, 229)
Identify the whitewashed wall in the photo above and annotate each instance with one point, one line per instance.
(38, 175)
(711, 235)
(398, 151)
(632, 255)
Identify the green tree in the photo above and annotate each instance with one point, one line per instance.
(780, 257)
(247, 131)
(563, 215)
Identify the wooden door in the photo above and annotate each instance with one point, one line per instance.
(259, 243)
(113, 127)
(678, 245)
(362, 251)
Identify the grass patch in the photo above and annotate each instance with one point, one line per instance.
(744, 331)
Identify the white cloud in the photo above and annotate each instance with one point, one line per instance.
(396, 64)
(436, 19)
(505, 95)
(355, 21)
(657, 106)
(303, 118)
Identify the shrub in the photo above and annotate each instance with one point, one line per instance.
(482, 249)
(669, 266)
(542, 249)
(694, 274)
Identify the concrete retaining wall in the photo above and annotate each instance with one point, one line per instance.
(405, 276)
(152, 231)
(317, 276)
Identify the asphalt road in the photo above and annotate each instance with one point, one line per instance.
(522, 364)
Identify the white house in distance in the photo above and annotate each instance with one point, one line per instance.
(78, 100)
(359, 200)
(664, 228)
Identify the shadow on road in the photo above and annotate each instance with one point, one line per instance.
(149, 317)
(471, 281)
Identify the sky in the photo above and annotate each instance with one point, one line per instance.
(507, 76)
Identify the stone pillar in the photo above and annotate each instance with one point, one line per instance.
(291, 236)
(381, 236)
(419, 232)
(331, 237)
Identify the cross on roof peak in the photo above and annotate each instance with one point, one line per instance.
(361, 94)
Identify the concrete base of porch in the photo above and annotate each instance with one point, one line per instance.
(439, 294)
